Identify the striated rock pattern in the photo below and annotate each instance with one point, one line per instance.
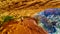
(26, 7)
(19, 8)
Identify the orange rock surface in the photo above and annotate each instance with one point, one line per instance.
(26, 26)
(26, 7)
(19, 8)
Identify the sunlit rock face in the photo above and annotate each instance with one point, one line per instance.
(25, 25)
(50, 19)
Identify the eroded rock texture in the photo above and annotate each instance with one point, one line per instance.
(25, 26)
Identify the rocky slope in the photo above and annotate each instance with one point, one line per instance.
(27, 7)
